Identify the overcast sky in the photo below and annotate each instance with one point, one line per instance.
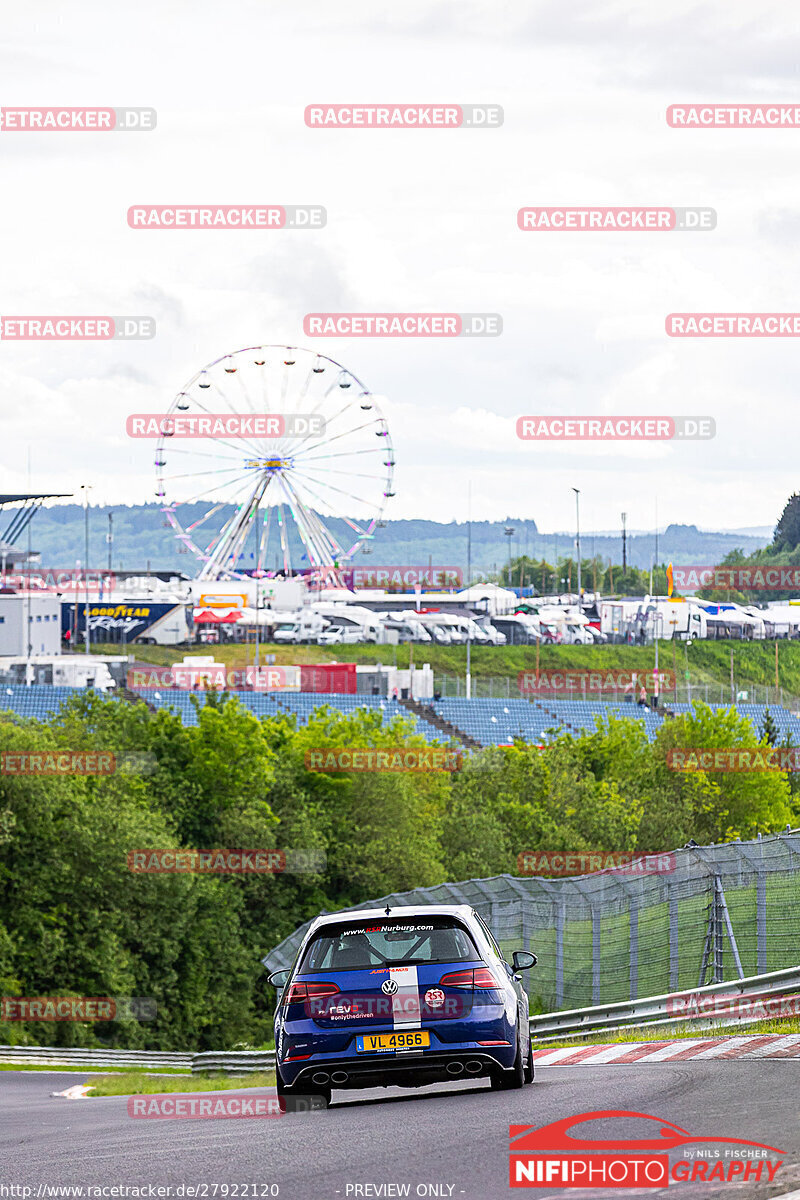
(417, 221)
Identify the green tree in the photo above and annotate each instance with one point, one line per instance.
(769, 730)
(787, 531)
(710, 806)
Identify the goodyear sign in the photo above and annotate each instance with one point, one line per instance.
(128, 619)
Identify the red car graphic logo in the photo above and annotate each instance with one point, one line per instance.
(556, 1136)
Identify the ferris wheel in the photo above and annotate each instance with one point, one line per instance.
(252, 504)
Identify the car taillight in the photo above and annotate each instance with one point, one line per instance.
(480, 977)
(457, 979)
(309, 991)
(483, 978)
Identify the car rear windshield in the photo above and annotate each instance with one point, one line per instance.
(354, 946)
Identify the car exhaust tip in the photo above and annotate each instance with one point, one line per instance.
(339, 1077)
(474, 1067)
(455, 1068)
(321, 1077)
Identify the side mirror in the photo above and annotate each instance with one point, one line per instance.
(278, 979)
(523, 961)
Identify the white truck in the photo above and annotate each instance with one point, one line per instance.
(352, 617)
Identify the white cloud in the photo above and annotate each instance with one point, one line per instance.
(417, 221)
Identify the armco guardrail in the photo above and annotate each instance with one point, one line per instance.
(651, 1010)
(655, 1009)
(236, 1062)
(81, 1056)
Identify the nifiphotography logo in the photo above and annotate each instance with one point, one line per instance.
(552, 1157)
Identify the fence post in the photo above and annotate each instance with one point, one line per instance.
(559, 953)
(761, 922)
(719, 922)
(595, 954)
(526, 934)
(633, 917)
(719, 969)
(674, 961)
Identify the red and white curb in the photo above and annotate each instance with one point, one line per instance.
(622, 1053)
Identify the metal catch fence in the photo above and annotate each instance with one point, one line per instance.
(712, 913)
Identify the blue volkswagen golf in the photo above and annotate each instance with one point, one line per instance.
(400, 997)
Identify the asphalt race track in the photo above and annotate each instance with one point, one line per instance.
(450, 1140)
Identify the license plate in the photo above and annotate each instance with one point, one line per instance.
(374, 1043)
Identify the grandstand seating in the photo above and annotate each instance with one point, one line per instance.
(489, 722)
(41, 701)
(497, 722)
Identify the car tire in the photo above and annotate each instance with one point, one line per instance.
(507, 1081)
(292, 1100)
(529, 1072)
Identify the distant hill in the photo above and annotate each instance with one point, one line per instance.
(140, 537)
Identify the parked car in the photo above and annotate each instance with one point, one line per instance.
(288, 632)
(496, 638)
(407, 631)
(304, 626)
(439, 634)
(579, 635)
(336, 635)
(400, 997)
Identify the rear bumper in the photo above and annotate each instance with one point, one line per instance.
(396, 1070)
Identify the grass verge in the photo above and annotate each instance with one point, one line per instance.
(12, 1066)
(709, 662)
(140, 1084)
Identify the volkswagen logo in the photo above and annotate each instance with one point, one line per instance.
(388, 987)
